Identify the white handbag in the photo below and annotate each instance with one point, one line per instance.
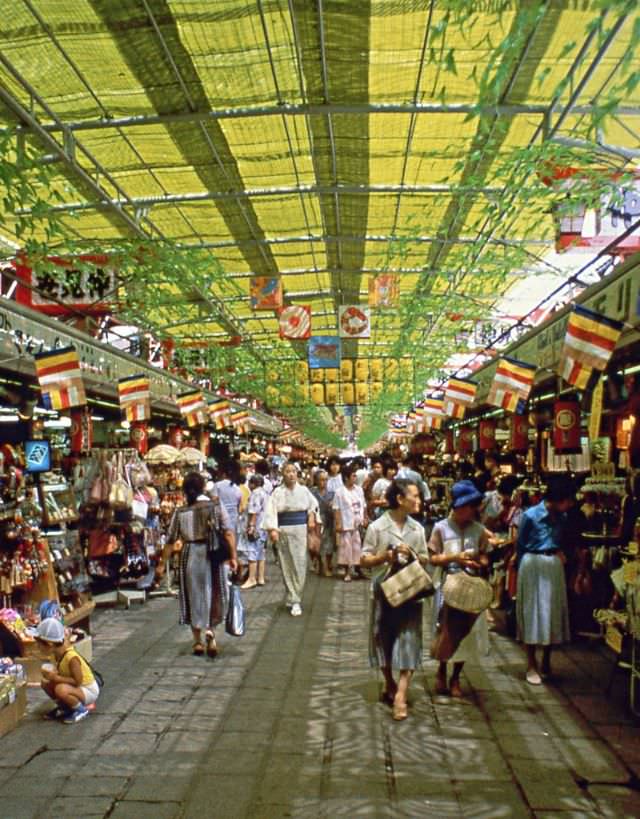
(407, 583)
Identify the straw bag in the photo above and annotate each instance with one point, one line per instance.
(467, 592)
(407, 583)
(120, 494)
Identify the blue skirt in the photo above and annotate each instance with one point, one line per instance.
(395, 634)
(541, 603)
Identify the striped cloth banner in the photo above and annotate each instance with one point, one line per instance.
(193, 408)
(433, 412)
(458, 395)
(135, 397)
(241, 422)
(588, 345)
(220, 412)
(511, 384)
(60, 378)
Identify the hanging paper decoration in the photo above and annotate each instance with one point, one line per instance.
(519, 433)
(324, 352)
(241, 422)
(193, 408)
(487, 434)
(60, 379)
(588, 345)
(458, 395)
(433, 410)
(220, 413)
(354, 321)
(295, 321)
(135, 397)
(384, 290)
(512, 384)
(266, 292)
(566, 427)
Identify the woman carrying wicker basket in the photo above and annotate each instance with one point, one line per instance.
(458, 547)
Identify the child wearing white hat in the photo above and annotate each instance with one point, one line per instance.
(71, 683)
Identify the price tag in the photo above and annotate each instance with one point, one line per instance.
(613, 638)
(630, 571)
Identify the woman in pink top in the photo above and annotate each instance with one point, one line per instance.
(350, 514)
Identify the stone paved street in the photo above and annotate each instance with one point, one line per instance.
(286, 723)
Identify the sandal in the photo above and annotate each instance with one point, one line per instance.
(198, 649)
(400, 711)
(212, 646)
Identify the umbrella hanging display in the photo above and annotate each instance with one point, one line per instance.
(162, 454)
(190, 456)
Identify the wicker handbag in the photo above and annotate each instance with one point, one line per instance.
(408, 583)
(467, 592)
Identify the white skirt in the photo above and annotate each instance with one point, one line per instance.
(541, 604)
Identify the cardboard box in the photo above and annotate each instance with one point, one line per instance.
(11, 714)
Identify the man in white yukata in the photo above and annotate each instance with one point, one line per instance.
(291, 511)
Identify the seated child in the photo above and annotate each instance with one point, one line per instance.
(72, 684)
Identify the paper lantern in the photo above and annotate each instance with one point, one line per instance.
(362, 392)
(316, 375)
(566, 427)
(331, 393)
(317, 393)
(331, 376)
(487, 434)
(362, 369)
(519, 433)
(346, 369)
(376, 389)
(139, 436)
(272, 375)
(376, 370)
(391, 369)
(302, 372)
(272, 395)
(348, 393)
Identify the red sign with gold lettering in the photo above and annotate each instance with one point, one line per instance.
(566, 427)
(519, 437)
(487, 434)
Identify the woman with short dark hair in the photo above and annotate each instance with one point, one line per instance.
(350, 514)
(541, 602)
(395, 634)
(203, 577)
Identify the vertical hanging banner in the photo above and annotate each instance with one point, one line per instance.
(487, 434)
(220, 412)
(511, 384)
(519, 433)
(60, 379)
(595, 417)
(324, 352)
(193, 408)
(588, 345)
(135, 397)
(354, 321)
(81, 432)
(465, 440)
(384, 290)
(566, 427)
(295, 322)
(265, 292)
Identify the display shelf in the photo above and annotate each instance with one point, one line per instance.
(79, 614)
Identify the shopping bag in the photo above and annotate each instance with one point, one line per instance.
(234, 623)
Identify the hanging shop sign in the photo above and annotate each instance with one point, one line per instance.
(519, 433)
(449, 446)
(512, 382)
(593, 228)
(295, 321)
(595, 416)
(60, 379)
(65, 286)
(384, 290)
(324, 352)
(354, 321)
(266, 292)
(487, 434)
(589, 344)
(566, 427)
(139, 436)
(81, 432)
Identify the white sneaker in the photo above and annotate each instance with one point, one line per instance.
(296, 610)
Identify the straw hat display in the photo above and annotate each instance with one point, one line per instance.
(162, 454)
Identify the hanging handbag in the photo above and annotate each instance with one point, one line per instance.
(314, 539)
(216, 541)
(410, 582)
(467, 592)
(234, 621)
(120, 494)
(102, 543)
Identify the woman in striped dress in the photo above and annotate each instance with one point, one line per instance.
(203, 580)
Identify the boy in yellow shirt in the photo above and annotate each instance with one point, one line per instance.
(72, 684)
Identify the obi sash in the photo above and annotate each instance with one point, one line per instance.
(292, 518)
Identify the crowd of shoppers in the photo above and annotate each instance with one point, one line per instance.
(498, 538)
